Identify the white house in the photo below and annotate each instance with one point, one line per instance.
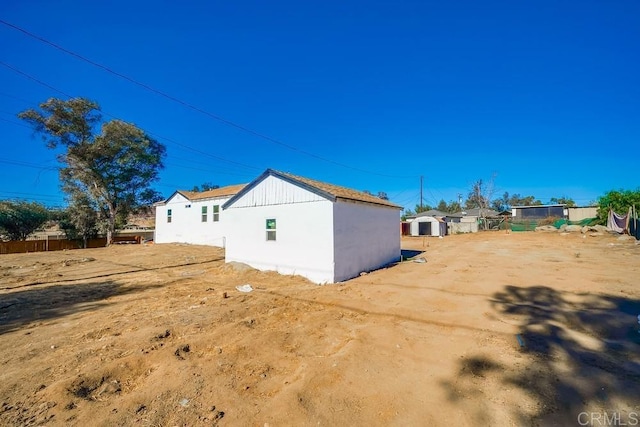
(193, 217)
(296, 225)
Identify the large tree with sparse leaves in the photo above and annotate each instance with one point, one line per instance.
(112, 164)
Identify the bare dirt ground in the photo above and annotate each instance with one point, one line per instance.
(143, 335)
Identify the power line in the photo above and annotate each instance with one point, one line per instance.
(50, 196)
(40, 82)
(15, 123)
(29, 165)
(191, 106)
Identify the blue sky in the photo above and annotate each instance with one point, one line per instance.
(543, 95)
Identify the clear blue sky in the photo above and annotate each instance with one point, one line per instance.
(543, 94)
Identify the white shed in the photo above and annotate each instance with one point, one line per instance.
(193, 217)
(295, 225)
(426, 225)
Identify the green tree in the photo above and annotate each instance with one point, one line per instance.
(517, 200)
(453, 207)
(113, 166)
(450, 207)
(206, 186)
(502, 203)
(422, 208)
(407, 213)
(619, 201)
(562, 201)
(19, 219)
(80, 220)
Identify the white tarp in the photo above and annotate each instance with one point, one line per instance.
(618, 223)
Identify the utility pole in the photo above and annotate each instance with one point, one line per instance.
(421, 193)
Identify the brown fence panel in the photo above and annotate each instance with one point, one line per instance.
(18, 247)
(64, 244)
(97, 243)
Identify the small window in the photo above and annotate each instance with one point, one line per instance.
(187, 206)
(216, 213)
(168, 215)
(204, 214)
(271, 229)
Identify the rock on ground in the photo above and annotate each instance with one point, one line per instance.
(546, 228)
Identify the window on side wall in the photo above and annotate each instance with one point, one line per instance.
(168, 215)
(216, 213)
(204, 214)
(271, 229)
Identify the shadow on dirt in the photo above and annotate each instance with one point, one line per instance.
(22, 307)
(409, 253)
(581, 353)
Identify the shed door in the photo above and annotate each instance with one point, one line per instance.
(424, 229)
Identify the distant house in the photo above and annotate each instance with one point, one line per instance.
(538, 212)
(432, 212)
(470, 220)
(193, 217)
(296, 225)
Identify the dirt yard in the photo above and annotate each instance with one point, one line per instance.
(493, 329)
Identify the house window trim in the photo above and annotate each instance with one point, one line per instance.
(169, 213)
(271, 231)
(216, 213)
(204, 214)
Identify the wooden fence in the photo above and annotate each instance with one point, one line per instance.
(20, 247)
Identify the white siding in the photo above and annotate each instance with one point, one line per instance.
(275, 191)
(304, 236)
(186, 224)
(366, 237)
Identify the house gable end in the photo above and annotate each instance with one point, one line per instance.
(177, 197)
(278, 193)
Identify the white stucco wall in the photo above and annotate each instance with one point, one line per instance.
(578, 214)
(462, 227)
(304, 238)
(186, 224)
(366, 237)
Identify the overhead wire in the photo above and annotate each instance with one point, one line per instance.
(35, 79)
(191, 106)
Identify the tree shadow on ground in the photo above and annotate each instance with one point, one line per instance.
(28, 305)
(581, 354)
